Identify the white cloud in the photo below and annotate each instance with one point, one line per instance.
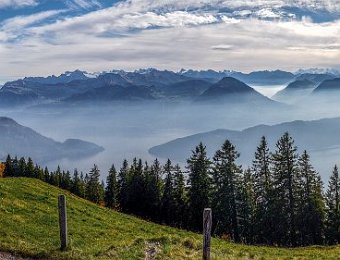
(85, 4)
(16, 3)
(16, 27)
(171, 34)
(246, 45)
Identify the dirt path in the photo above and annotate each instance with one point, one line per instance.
(151, 250)
(8, 256)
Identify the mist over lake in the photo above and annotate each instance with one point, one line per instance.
(128, 130)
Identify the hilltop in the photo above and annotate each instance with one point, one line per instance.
(29, 227)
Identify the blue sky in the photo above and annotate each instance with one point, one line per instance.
(43, 37)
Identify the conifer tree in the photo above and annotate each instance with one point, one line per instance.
(38, 172)
(247, 208)
(333, 207)
(66, 180)
(311, 203)
(46, 175)
(153, 191)
(9, 168)
(93, 186)
(15, 164)
(29, 169)
(136, 189)
(75, 183)
(111, 190)
(263, 191)
(200, 185)
(179, 195)
(168, 203)
(285, 183)
(56, 177)
(226, 181)
(123, 186)
(82, 186)
(21, 167)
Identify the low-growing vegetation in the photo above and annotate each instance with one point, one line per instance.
(29, 227)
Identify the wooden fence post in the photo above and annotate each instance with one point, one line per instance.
(62, 221)
(207, 222)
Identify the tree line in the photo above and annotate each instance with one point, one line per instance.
(279, 200)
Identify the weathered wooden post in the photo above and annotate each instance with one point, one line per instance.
(207, 222)
(62, 221)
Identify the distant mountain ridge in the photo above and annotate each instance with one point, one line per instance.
(145, 84)
(18, 140)
(265, 77)
(332, 85)
(66, 77)
(315, 136)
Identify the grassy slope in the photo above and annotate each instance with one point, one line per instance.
(29, 227)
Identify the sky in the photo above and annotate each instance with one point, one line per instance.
(45, 37)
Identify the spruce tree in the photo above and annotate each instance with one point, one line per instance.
(29, 169)
(123, 186)
(179, 195)
(46, 175)
(15, 164)
(75, 183)
(136, 189)
(168, 203)
(263, 191)
(82, 186)
(246, 208)
(66, 181)
(56, 177)
(333, 208)
(38, 173)
(21, 167)
(9, 167)
(93, 186)
(226, 183)
(153, 191)
(111, 190)
(199, 185)
(285, 183)
(311, 204)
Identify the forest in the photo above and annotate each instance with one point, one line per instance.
(280, 200)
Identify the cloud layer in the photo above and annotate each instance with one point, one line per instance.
(242, 35)
(17, 3)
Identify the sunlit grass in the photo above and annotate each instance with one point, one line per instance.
(29, 227)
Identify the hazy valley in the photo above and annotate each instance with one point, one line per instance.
(127, 113)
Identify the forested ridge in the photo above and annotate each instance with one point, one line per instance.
(280, 200)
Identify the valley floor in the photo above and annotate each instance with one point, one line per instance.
(29, 228)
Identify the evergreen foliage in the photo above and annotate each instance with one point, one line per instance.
(333, 206)
(111, 190)
(199, 167)
(278, 201)
(94, 189)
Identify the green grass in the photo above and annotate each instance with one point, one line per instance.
(29, 227)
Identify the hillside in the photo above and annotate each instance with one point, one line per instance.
(29, 227)
(332, 85)
(232, 91)
(318, 137)
(19, 140)
(295, 91)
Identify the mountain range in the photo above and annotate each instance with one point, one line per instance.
(19, 140)
(152, 84)
(315, 136)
